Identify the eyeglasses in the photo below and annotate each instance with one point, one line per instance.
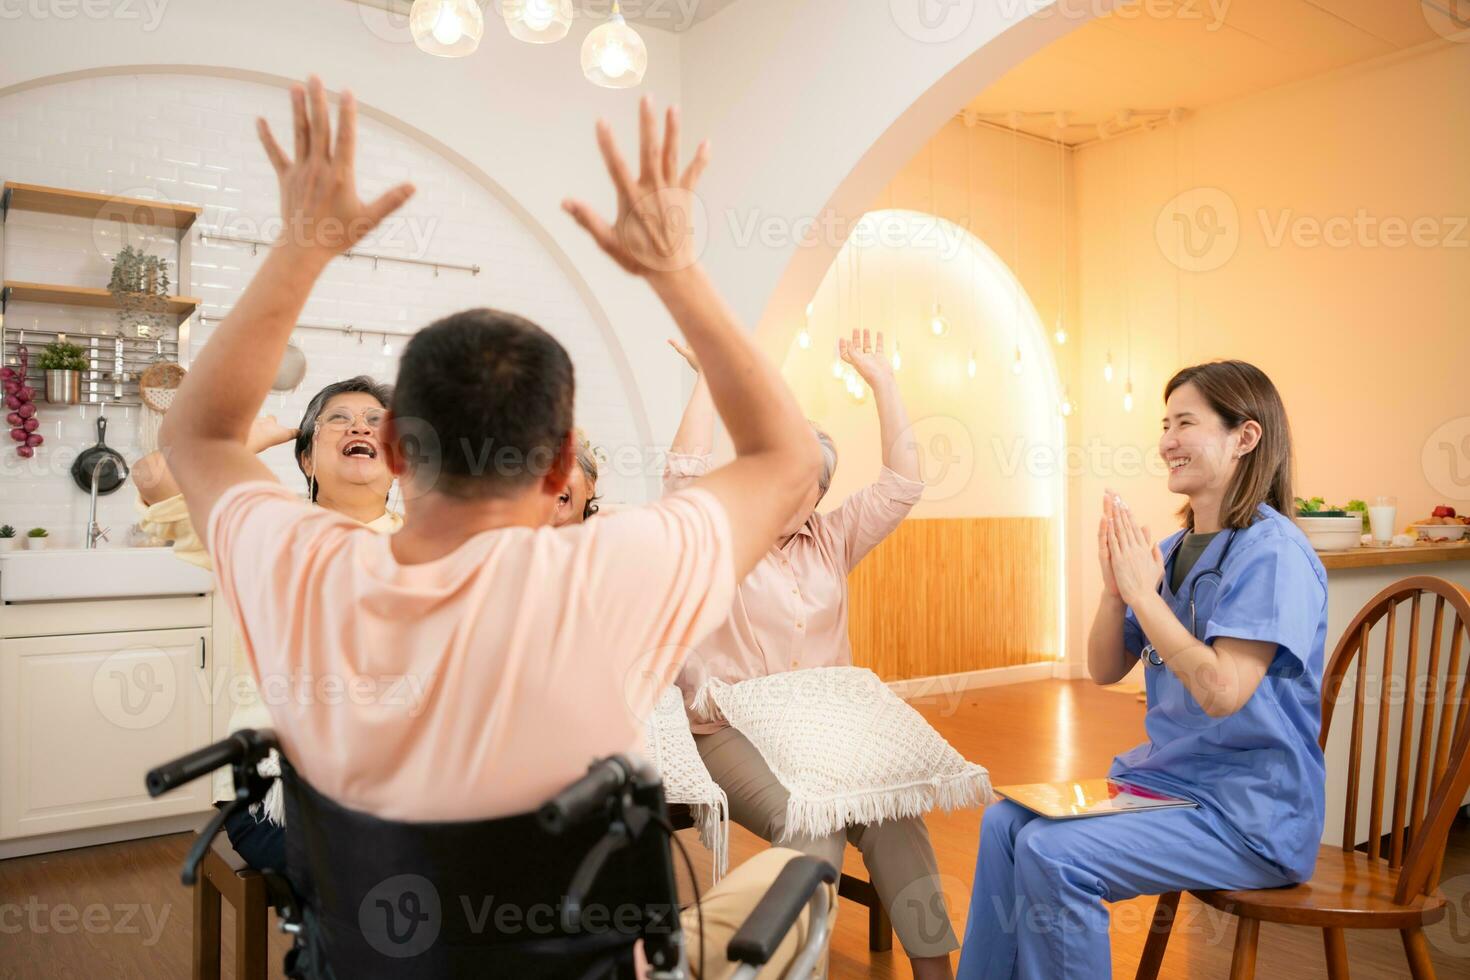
(339, 419)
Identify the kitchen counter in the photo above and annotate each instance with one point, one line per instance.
(1372, 557)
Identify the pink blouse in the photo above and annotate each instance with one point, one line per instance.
(790, 612)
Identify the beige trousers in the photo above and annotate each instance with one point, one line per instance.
(897, 853)
(729, 903)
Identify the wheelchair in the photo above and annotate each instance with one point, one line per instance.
(564, 892)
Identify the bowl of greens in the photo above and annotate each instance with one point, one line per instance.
(1329, 527)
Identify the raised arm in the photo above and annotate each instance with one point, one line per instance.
(155, 482)
(900, 450)
(204, 435)
(776, 456)
(696, 433)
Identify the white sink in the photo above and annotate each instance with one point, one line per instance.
(107, 573)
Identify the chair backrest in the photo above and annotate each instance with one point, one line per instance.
(1432, 771)
(385, 898)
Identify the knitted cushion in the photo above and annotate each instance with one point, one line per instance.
(686, 780)
(847, 749)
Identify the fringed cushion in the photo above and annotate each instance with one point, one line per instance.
(686, 780)
(847, 749)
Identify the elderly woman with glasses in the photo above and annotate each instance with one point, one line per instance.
(340, 455)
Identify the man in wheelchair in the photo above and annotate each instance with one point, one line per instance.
(532, 650)
(571, 890)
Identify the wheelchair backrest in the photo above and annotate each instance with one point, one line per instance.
(476, 898)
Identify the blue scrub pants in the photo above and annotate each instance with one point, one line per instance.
(1037, 910)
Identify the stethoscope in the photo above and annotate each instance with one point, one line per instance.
(1151, 655)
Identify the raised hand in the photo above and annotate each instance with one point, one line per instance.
(654, 231)
(266, 432)
(1137, 563)
(866, 357)
(688, 354)
(321, 211)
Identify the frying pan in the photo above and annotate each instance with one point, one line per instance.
(114, 468)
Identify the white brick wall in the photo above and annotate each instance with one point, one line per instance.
(191, 139)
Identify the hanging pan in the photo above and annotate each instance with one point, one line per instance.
(114, 469)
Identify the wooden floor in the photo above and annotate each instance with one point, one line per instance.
(119, 910)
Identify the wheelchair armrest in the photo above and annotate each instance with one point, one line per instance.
(762, 931)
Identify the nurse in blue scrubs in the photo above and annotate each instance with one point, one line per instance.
(1229, 616)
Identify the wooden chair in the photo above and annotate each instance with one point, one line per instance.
(224, 874)
(860, 890)
(1373, 886)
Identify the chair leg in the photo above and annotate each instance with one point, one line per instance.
(206, 939)
(1243, 963)
(1417, 950)
(1335, 942)
(252, 947)
(1158, 936)
(880, 929)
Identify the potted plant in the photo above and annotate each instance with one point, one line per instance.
(7, 538)
(36, 539)
(63, 364)
(139, 286)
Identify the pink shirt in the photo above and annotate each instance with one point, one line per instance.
(790, 612)
(481, 683)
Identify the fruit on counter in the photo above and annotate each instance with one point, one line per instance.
(1444, 510)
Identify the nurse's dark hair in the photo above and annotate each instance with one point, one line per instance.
(1239, 392)
(306, 431)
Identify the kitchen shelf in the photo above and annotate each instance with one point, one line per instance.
(101, 207)
(35, 292)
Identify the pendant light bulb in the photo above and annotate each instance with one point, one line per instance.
(613, 55)
(446, 28)
(897, 357)
(538, 21)
(1016, 362)
(1067, 407)
(1128, 397)
(1061, 334)
(1108, 368)
(971, 367)
(938, 322)
(387, 347)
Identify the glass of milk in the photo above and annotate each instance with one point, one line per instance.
(1381, 516)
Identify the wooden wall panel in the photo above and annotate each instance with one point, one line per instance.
(945, 596)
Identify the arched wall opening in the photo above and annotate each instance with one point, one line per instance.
(982, 400)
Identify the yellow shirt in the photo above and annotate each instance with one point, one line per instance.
(168, 520)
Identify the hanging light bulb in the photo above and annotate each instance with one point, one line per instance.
(446, 28)
(859, 393)
(1061, 334)
(938, 322)
(1067, 407)
(613, 55)
(1016, 362)
(1128, 396)
(897, 357)
(387, 347)
(538, 21)
(804, 335)
(971, 367)
(1108, 368)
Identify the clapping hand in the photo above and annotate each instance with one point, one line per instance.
(1136, 562)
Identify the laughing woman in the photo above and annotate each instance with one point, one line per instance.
(342, 460)
(1229, 616)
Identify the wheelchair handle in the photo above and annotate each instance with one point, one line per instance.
(202, 762)
(586, 797)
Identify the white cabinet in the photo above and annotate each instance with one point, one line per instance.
(83, 717)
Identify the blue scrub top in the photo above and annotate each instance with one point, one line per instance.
(1260, 768)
